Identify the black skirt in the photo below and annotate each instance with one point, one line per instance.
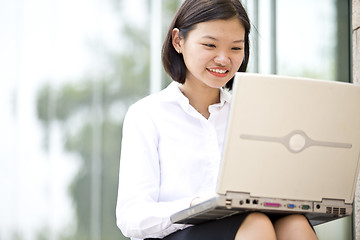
(223, 229)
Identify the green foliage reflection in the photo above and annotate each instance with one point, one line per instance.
(72, 107)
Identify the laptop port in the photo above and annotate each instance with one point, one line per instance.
(290, 205)
(255, 201)
(305, 207)
(270, 204)
(228, 203)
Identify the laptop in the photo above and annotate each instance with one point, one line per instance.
(292, 146)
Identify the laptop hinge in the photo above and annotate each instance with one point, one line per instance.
(237, 194)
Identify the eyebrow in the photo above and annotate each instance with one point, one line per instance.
(215, 39)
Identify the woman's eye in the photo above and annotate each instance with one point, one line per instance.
(209, 45)
(237, 48)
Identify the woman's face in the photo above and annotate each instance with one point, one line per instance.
(213, 51)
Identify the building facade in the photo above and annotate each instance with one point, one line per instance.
(356, 80)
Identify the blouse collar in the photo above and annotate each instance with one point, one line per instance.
(173, 93)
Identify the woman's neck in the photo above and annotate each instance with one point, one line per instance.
(201, 97)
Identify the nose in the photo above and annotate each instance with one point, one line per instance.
(222, 59)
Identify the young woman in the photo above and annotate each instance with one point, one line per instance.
(172, 140)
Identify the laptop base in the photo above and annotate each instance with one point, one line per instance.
(223, 206)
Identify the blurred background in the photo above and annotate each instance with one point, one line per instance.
(69, 69)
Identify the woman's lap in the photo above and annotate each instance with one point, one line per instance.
(225, 228)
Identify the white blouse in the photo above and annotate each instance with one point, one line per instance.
(170, 154)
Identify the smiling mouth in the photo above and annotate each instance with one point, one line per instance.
(221, 71)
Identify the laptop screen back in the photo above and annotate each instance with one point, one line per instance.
(292, 138)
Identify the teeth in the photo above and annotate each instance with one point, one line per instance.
(217, 70)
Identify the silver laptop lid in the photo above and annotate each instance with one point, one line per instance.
(292, 138)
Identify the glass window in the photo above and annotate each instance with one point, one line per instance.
(301, 38)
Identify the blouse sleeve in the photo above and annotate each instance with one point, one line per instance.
(139, 214)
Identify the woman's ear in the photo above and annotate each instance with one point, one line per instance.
(176, 40)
